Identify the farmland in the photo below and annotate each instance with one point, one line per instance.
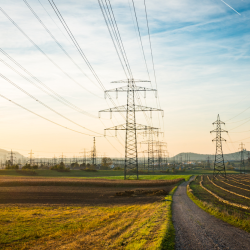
(227, 199)
(77, 213)
(111, 174)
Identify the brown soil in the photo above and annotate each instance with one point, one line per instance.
(41, 181)
(52, 191)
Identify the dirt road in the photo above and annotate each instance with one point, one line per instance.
(196, 229)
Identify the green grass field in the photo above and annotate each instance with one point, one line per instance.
(112, 174)
(106, 174)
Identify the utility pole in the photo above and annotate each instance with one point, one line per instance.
(94, 154)
(242, 162)
(31, 157)
(219, 165)
(131, 127)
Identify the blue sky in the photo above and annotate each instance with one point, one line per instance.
(201, 53)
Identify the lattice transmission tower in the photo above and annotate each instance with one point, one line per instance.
(12, 157)
(219, 164)
(31, 157)
(160, 151)
(93, 154)
(151, 132)
(242, 162)
(131, 127)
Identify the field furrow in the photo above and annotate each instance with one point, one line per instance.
(225, 194)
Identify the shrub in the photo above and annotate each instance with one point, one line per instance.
(117, 168)
(12, 167)
(60, 168)
(26, 172)
(89, 170)
(28, 166)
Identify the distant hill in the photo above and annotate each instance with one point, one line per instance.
(5, 155)
(203, 157)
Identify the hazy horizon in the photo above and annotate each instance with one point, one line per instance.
(201, 54)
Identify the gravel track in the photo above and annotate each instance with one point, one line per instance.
(196, 229)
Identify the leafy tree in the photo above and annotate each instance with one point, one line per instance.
(83, 165)
(106, 163)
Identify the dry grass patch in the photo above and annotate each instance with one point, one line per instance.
(118, 227)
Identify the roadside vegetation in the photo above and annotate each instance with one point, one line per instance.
(227, 199)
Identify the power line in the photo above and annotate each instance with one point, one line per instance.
(56, 122)
(110, 21)
(11, 20)
(56, 41)
(46, 55)
(239, 113)
(56, 97)
(240, 140)
(152, 58)
(113, 28)
(239, 125)
(34, 98)
(45, 117)
(63, 22)
(70, 104)
(66, 27)
(53, 20)
(140, 38)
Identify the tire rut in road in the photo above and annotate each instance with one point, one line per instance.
(196, 229)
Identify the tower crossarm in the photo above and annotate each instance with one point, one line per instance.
(218, 130)
(156, 143)
(124, 127)
(130, 80)
(138, 127)
(163, 144)
(126, 88)
(153, 132)
(123, 108)
(134, 108)
(219, 139)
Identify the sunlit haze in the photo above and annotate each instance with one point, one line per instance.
(201, 56)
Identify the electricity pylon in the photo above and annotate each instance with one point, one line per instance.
(150, 142)
(219, 165)
(242, 162)
(160, 151)
(151, 152)
(83, 156)
(62, 158)
(131, 155)
(11, 157)
(93, 154)
(31, 160)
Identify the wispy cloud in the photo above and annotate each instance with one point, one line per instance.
(231, 7)
(201, 58)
